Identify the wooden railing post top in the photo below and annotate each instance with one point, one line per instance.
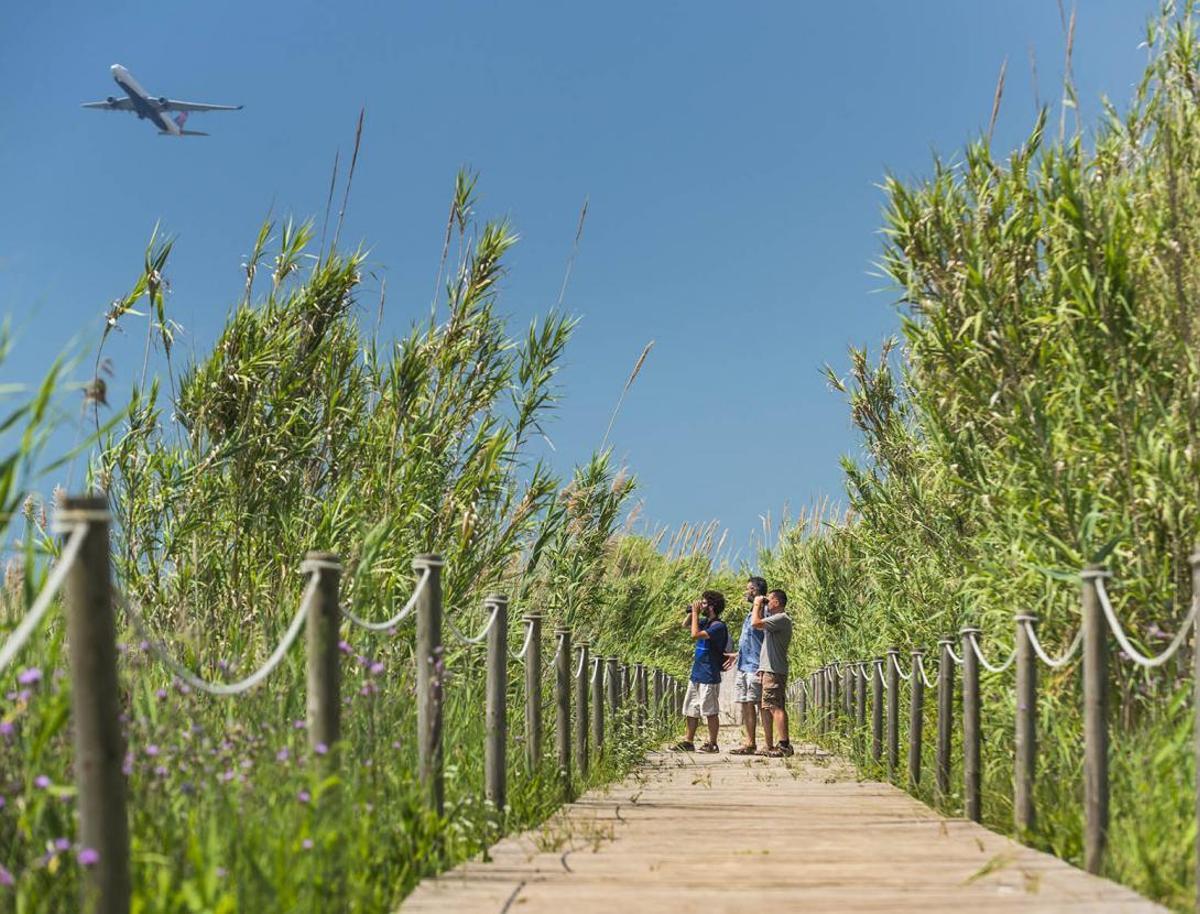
(426, 560)
(878, 661)
(942, 641)
(330, 558)
(495, 599)
(918, 652)
(893, 650)
(533, 617)
(562, 631)
(1026, 617)
(1094, 570)
(83, 503)
(970, 630)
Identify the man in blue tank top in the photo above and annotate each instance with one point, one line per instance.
(704, 686)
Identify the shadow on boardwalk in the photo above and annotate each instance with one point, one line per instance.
(727, 834)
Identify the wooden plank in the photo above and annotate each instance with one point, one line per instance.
(731, 834)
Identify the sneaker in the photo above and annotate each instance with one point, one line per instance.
(787, 748)
(709, 747)
(684, 746)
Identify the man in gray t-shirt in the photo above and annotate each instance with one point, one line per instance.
(770, 616)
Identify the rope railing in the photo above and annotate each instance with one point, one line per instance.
(163, 654)
(1054, 663)
(93, 603)
(983, 661)
(58, 573)
(1090, 640)
(1119, 632)
(473, 639)
(396, 619)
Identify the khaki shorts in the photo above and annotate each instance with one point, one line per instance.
(703, 699)
(774, 691)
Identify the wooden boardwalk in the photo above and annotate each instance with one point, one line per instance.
(727, 834)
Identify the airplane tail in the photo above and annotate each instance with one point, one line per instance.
(180, 120)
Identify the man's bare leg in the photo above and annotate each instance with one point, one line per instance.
(781, 723)
(768, 730)
(714, 728)
(692, 724)
(749, 721)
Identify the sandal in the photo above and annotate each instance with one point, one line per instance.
(752, 749)
(684, 746)
(709, 747)
(788, 749)
(773, 752)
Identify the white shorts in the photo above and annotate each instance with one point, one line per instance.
(747, 688)
(703, 699)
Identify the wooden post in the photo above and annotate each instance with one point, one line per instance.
(614, 687)
(324, 666)
(658, 695)
(847, 691)
(533, 693)
(945, 699)
(823, 692)
(972, 806)
(1095, 725)
(833, 695)
(802, 703)
(562, 706)
(1026, 736)
(598, 705)
(581, 711)
(495, 749)
(430, 673)
(893, 712)
(639, 688)
(877, 709)
(1196, 703)
(96, 709)
(916, 718)
(860, 695)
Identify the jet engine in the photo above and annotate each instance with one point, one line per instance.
(111, 100)
(162, 101)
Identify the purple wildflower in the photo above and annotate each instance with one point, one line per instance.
(303, 796)
(41, 782)
(307, 844)
(88, 856)
(6, 728)
(6, 878)
(282, 755)
(298, 725)
(344, 647)
(160, 694)
(152, 750)
(62, 844)
(376, 668)
(30, 676)
(320, 748)
(160, 771)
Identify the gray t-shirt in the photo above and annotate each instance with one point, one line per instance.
(777, 635)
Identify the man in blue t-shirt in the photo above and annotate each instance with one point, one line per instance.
(747, 688)
(703, 698)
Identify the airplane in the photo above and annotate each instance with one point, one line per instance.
(139, 101)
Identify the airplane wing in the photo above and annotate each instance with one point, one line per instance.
(174, 105)
(113, 104)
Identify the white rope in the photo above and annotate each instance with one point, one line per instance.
(562, 639)
(1052, 662)
(520, 655)
(221, 688)
(924, 675)
(896, 663)
(1119, 633)
(32, 618)
(597, 665)
(399, 617)
(983, 660)
(474, 639)
(579, 667)
(954, 658)
(878, 664)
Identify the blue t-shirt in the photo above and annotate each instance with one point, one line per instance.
(750, 648)
(710, 652)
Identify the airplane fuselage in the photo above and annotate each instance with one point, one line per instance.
(143, 104)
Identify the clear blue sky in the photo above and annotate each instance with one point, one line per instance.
(731, 154)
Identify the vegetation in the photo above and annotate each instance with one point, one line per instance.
(1040, 414)
(298, 431)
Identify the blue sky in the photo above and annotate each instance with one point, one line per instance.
(731, 154)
